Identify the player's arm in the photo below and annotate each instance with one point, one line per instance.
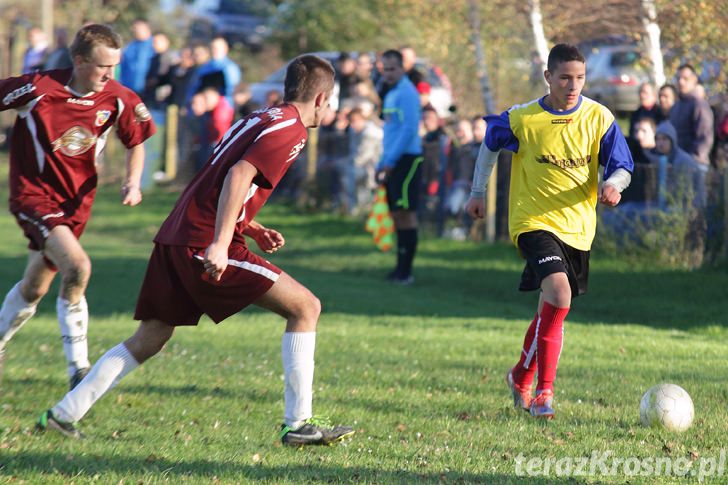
(131, 193)
(268, 240)
(483, 168)
(234, 189)
(614, 154)
(16, 92)
(498, 135)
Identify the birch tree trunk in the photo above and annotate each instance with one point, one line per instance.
(534, 12)
(649, 20)
(482, 72)
(481, 68)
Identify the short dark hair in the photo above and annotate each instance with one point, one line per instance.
(649, 120)
(92, 35)
(563, 53)
(306, 76)
(393, 54)
(669, 86)
(687, 66)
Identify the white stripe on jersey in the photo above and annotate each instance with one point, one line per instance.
(24, 113)
(255, 268)
(278, 126)
(101, 144)
(251, 191)
(251, 123)
(227, 135)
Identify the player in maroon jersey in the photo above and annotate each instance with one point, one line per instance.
(64, 118)
(201, 262)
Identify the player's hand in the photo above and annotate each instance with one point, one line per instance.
(269, 240)
(475, 207)
(131, 194)
(382, 175)
(609, 195)
(215, 260)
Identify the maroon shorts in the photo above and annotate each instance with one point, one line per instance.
(38, 217)
(177, 290)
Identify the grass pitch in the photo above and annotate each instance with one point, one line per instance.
(418, 371)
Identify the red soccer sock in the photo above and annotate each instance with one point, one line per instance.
(524, 371)
(550, 338)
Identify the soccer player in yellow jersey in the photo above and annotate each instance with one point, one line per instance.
(558, 143)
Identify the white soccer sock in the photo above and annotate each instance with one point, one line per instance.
(73, 322)
(13, 314)
(105, 375)
(297, 349)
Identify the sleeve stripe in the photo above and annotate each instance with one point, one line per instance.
(276, 127)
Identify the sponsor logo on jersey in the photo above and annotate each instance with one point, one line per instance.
(296, 150)
(549, 259)
(561, 121)
(142, 113)
(82, 102)
(15, 94)
(102, 117)
(565, 162)
(74, 141)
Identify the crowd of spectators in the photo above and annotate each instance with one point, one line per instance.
(674, 134)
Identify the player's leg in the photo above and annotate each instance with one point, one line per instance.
(555, 304)
(21, 301)
(520, 377)
(301, 309)
(146, 342)
(64, 250)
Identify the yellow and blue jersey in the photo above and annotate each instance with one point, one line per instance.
(555, 168)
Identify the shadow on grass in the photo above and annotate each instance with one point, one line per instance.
(57, 465)
(453, 280)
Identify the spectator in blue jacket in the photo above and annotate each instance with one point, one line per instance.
(399, 167)
(137, 57)
(220, 71)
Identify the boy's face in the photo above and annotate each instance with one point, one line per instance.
(645, 134)
(667, 98)
(94, 73)
(663, 144)
(566, 83)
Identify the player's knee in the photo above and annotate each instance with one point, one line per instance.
(77, 274)
(308, 308)
(32, 292)
(315, 305)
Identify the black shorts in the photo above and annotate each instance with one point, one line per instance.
(403, 184)
(546, 254)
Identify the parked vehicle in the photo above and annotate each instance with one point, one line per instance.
(614, 74)
(440, 93)
(231, 19)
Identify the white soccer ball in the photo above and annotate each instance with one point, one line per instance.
(667, 405)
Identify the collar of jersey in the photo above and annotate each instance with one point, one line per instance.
(559, 113)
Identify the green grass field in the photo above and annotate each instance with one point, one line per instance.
(417, 370)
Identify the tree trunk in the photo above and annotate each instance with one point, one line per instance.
(649, 20)
(481, 69)
(534, 8)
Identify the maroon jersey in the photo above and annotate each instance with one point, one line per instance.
(269, 139)
(59, 134)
